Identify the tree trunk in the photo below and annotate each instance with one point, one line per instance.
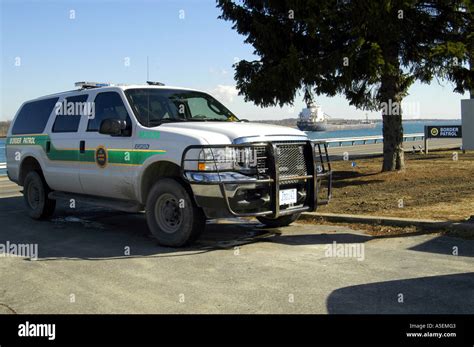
(393, 156)
(391, 98)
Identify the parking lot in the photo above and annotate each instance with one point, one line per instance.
(93, 260)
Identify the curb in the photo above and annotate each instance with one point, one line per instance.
(426, 224)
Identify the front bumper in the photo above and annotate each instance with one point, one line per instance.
(233, 194)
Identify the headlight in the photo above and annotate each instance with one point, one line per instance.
(242, 159)
(216, 159)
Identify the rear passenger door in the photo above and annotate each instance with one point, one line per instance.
(107, 165)
(63, 151)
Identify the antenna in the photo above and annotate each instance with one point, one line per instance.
(147, 70)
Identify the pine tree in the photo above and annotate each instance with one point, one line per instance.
(369, 51)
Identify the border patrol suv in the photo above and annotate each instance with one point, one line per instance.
(176, 153)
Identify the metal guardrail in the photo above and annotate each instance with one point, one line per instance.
(365, 139)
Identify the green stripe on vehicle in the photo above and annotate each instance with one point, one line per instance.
(114, 156)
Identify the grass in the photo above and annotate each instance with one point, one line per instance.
(433, 186)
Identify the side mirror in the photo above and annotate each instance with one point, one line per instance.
(112, 126)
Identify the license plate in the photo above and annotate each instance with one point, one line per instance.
(287, 196)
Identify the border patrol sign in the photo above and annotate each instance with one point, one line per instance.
(441, 132)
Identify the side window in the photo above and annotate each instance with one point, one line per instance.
(33, 117)
(108, 105)
(69, 114)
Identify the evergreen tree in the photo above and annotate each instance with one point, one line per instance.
(369, 51)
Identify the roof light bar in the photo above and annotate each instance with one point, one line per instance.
(86, 85)
(151, 83)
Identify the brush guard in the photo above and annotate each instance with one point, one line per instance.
(317, 178)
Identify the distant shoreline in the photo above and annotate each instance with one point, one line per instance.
(291, 122)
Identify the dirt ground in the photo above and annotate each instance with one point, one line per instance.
(438, 186)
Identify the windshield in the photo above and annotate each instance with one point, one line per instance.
(153, 107)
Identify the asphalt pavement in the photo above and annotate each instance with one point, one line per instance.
(93, 260)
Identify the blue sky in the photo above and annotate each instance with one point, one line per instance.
(186, 43)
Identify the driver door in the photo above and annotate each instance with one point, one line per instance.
(107, 165)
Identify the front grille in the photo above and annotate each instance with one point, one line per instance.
(288, 162)
(292, 161)
(262, 162)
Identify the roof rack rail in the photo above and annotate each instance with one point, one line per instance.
(151, 83)
(89, 85)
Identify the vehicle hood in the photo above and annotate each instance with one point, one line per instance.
(238, 132)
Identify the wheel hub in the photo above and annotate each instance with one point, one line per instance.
(33, 196)
(168, 213)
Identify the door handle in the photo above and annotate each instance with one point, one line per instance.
(82, 146)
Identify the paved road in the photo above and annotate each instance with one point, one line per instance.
(236, 267)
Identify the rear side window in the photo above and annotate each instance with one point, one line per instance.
(70, 116)
(33, 117)
(108, 105)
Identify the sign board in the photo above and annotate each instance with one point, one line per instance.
(443, 131)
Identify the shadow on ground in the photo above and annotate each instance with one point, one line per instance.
(446, 245)
(341, 179)
(94, 233)
(434, 295)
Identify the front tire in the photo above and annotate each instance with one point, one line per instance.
(35, 193)
(279, 222)
(172, 217)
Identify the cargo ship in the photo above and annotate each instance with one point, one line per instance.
(312, 118)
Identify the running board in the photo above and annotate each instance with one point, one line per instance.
(116, 204)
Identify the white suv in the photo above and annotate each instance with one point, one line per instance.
(176, 153)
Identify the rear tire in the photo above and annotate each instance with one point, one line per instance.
(35, 193)
(279, 222)
(172, 217)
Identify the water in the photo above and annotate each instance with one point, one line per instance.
(408, 128)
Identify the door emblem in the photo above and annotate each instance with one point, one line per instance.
(101, 156)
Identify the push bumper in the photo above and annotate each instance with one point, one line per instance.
(224, 194)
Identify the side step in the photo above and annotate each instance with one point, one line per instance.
(116, 204)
